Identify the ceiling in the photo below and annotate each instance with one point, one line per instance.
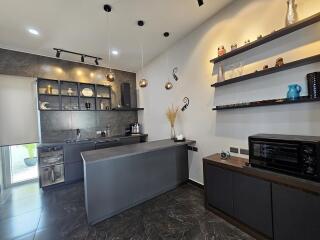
(81, 26)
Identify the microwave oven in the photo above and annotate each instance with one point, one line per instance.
(290, 154)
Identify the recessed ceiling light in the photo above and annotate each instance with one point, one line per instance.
(115, 52)
(33, 31)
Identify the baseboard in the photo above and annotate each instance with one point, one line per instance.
(196, 184)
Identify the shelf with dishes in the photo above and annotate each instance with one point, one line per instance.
(54, 95)
(268, 38)
(268, 71)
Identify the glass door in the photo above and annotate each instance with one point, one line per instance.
(20, 164)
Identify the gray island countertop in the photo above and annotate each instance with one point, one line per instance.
(118, 178)
(130, 150)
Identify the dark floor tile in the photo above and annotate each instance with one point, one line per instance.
(28, 236)
(21, 225)
(20, 206)
(178, 214)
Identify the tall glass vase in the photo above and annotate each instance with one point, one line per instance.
(173, 133)
(292, 15)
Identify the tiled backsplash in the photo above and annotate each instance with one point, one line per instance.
(59, 126)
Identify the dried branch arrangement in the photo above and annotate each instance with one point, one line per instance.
(172, 115)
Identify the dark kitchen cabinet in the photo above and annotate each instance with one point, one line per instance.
(102, 145)
(252, 202)
(130, 140)
(295, 214)
(73, 172)
(72, 151)
(73, 160)
(219, 188)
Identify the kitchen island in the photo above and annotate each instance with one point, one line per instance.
(119, 178)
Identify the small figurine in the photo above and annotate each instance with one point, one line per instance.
(221, 51)
(259, 37)
(234, 46)
(247, 42)
(265, 67)
(279, 62)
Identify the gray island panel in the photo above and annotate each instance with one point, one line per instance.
(120, 181)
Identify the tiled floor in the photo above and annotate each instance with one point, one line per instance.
(27, 213)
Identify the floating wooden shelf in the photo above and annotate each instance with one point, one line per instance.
(268, 71)
(262, 103)
(268, 38)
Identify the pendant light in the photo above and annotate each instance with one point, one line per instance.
(110, 75)
(168, 84)
(142, 82)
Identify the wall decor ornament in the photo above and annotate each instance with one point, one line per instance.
(186, 101)
(234, 46)
(259, 37)
(221, 51)
(292, 15)
(174, 74)
(247, 42)
(279, 62)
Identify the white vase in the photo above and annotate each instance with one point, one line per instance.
(292, 15)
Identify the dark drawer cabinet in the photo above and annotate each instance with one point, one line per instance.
(73, 172)
(72, 151)
(252, 202)
(295, 214)
(219, 188)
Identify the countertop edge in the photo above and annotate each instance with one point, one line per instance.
(176, 144)
(274, 177)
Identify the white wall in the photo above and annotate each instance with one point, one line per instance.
(214, 131)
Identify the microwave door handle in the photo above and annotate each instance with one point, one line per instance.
(53, 176)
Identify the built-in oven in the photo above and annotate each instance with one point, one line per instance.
(296, 155)
(51, 165)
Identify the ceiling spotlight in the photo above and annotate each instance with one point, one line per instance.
(33, 31)
(96, 62)
(166, 34)
(115, 52)
(58, 53)
(82, 58)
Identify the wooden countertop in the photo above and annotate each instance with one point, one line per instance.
(240, 165)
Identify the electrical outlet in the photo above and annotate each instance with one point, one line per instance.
(234, 150)
(195, 149)
(244, 151)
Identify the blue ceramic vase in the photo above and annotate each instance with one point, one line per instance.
(294, 91)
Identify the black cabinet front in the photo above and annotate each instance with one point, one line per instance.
(219, 188)
(252, 203)
(295, 214)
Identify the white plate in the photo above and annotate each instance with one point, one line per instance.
(87, 92)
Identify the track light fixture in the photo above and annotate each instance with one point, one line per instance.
(83, 56)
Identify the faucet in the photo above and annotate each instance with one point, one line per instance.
(78, 134)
